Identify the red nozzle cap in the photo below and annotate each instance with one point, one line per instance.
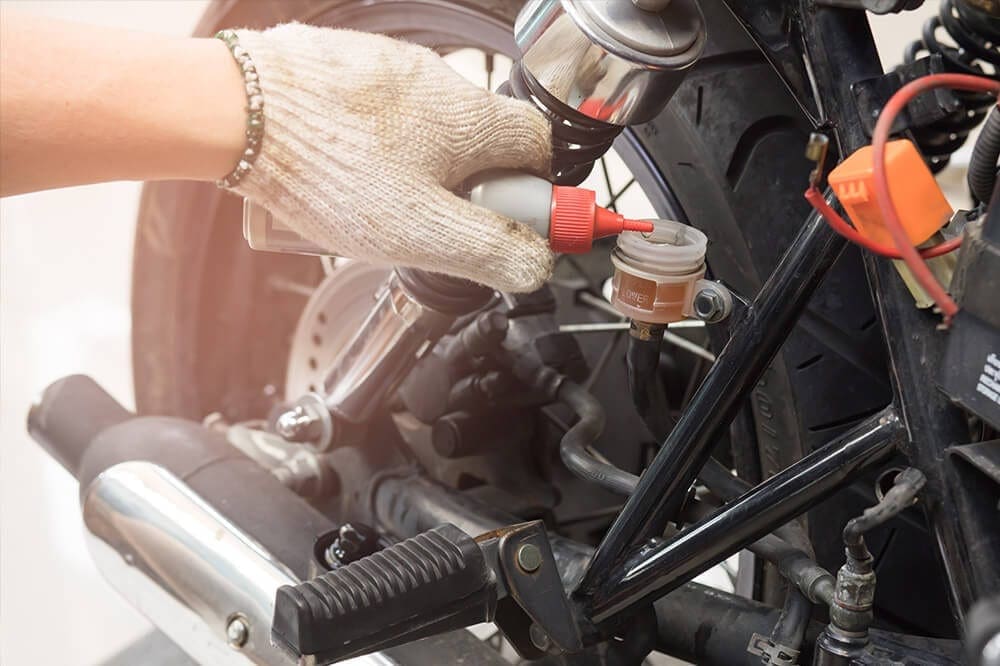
(577, 220)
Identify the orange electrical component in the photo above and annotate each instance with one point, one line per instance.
(915, 194)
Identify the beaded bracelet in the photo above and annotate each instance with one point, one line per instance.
(255, 108)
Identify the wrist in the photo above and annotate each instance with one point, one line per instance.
(219, 137)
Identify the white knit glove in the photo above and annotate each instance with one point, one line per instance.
(365, 136)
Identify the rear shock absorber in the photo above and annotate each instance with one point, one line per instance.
(973, 26)
(595, 67)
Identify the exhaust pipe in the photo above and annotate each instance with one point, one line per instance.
(88, 432)
(197, 536)
(204, 582)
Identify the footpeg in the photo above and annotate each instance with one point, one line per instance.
(437, 581)
(381, 599)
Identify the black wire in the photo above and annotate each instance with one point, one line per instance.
(982, 174)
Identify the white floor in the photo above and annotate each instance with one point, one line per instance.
(64, 308)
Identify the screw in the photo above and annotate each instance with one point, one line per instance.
(529, 558)
(237, 632)
(708, 305)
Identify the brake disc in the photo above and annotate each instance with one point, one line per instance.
(334, 312)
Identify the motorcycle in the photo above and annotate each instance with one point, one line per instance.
(351, 461)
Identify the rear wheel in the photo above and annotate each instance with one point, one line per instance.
(213, 322)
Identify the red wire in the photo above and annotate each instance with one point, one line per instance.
(833, 218)
(880, 137)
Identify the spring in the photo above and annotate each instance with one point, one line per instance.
(577, 141)
(975, 51)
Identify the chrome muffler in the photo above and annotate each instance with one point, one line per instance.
(203, 581)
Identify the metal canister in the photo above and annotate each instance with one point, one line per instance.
(611, 61)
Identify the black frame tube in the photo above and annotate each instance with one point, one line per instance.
(754, 341)
(655, 569)
(958, 512)
(838, 50)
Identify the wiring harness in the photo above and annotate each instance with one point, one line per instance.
(903, 249)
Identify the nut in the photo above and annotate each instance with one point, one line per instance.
(709, 306)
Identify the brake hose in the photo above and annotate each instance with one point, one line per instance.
(573, 447)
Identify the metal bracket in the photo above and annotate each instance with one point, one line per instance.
(780, 655)
(532, 611)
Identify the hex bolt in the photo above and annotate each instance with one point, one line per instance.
(529, 558)
(237, 632)
(709, 306)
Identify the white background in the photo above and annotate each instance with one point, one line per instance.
(64, 308)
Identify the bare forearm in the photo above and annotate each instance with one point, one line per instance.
(82, 104)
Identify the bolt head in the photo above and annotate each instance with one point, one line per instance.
(529, 558)
(708, 304)
(237, 632)
(290, 423)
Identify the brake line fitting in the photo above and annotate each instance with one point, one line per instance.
(846, 637)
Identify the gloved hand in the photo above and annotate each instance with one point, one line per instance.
(365, 136)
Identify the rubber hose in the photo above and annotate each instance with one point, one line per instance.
(903, 493)
(573, 447)
(793, 563)
(642, 358)
(982, 173)
(790, 628)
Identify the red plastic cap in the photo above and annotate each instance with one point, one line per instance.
(577, 220)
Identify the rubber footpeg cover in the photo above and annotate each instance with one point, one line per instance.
(433, 582)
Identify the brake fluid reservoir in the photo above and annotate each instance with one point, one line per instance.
(656, 273)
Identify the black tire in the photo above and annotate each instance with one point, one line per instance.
(212, 320)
